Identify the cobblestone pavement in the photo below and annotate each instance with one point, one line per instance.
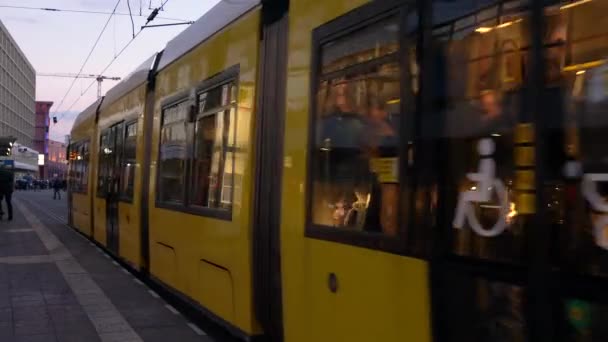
(56, 286)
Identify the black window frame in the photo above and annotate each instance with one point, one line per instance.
(122, 197)
(342, 26)
(229, 75)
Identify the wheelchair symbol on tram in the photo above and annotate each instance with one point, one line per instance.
(487, 183)
(598, 204)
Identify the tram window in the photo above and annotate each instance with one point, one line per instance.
(355, 179)
(79, 165)
(480, 68)
(103, 167)
(129, 162)
(576, 153)
(173, 153)
(482, 310)
(583, 320)
(75, 165)
(84, 167)
(214, 143)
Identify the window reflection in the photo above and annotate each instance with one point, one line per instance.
(583, 321)
(481, 68)
(355, 156)
(79, 165)
(129, 161)
(576, 50)
(481, 310)
(173, 153)
(214, 147)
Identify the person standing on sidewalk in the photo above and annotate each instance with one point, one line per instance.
(57, 185)
(6, 190)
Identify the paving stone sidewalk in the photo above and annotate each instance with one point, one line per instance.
(55, 286)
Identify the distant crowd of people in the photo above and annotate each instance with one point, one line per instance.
(26, 183)
(8, 184)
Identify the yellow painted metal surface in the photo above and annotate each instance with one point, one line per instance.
(81, 213)
(179, 241)
(81, 202)
(99, 214)
(126, 109)
(381, 296)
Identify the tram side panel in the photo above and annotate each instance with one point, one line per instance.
(200, 212)
(126, 114)
(82, 171)
(344, 273)
(99, 205)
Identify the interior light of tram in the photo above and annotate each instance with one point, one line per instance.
(585, 66)
(512, 212)
(580, 72)
(486, 29)
(577, 3)
(483, 29)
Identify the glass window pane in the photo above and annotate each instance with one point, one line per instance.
(204, 146)
(479, 107)
(215, 138)
(214, 149)
(103, 172)
(583, 321)
(480, 310)
(372, 42)
(356, 137)
(576, 48)
(129, 161)
(84, 161)
(173, 154)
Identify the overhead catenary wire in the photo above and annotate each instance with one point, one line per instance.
(131, 16)
(82, 11)
(87, 59)
(100, 73)
(106, 67)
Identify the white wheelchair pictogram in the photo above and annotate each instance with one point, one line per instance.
(481, 193)
(599, 204)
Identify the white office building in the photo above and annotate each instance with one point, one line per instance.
(17, 91)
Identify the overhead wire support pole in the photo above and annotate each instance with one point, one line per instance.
(162, 25)
(98, 78)
(87, 59)
(150, 18)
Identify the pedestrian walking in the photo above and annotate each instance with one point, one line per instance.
(6, 190)
(57, 185)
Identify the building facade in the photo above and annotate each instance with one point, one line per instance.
(41, 132)
(17, 91)
(25, 161)
(56, 163)
(42, 125)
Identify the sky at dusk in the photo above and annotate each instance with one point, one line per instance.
(59, 42)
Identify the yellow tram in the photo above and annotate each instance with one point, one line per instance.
(349, 170)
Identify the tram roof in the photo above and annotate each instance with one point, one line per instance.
(88, 113)
(218, 17)
(132, 81)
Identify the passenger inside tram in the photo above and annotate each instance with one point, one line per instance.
(358, 154)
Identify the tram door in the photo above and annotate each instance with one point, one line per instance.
(113, 152)
(489, 271)
(483, 174)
